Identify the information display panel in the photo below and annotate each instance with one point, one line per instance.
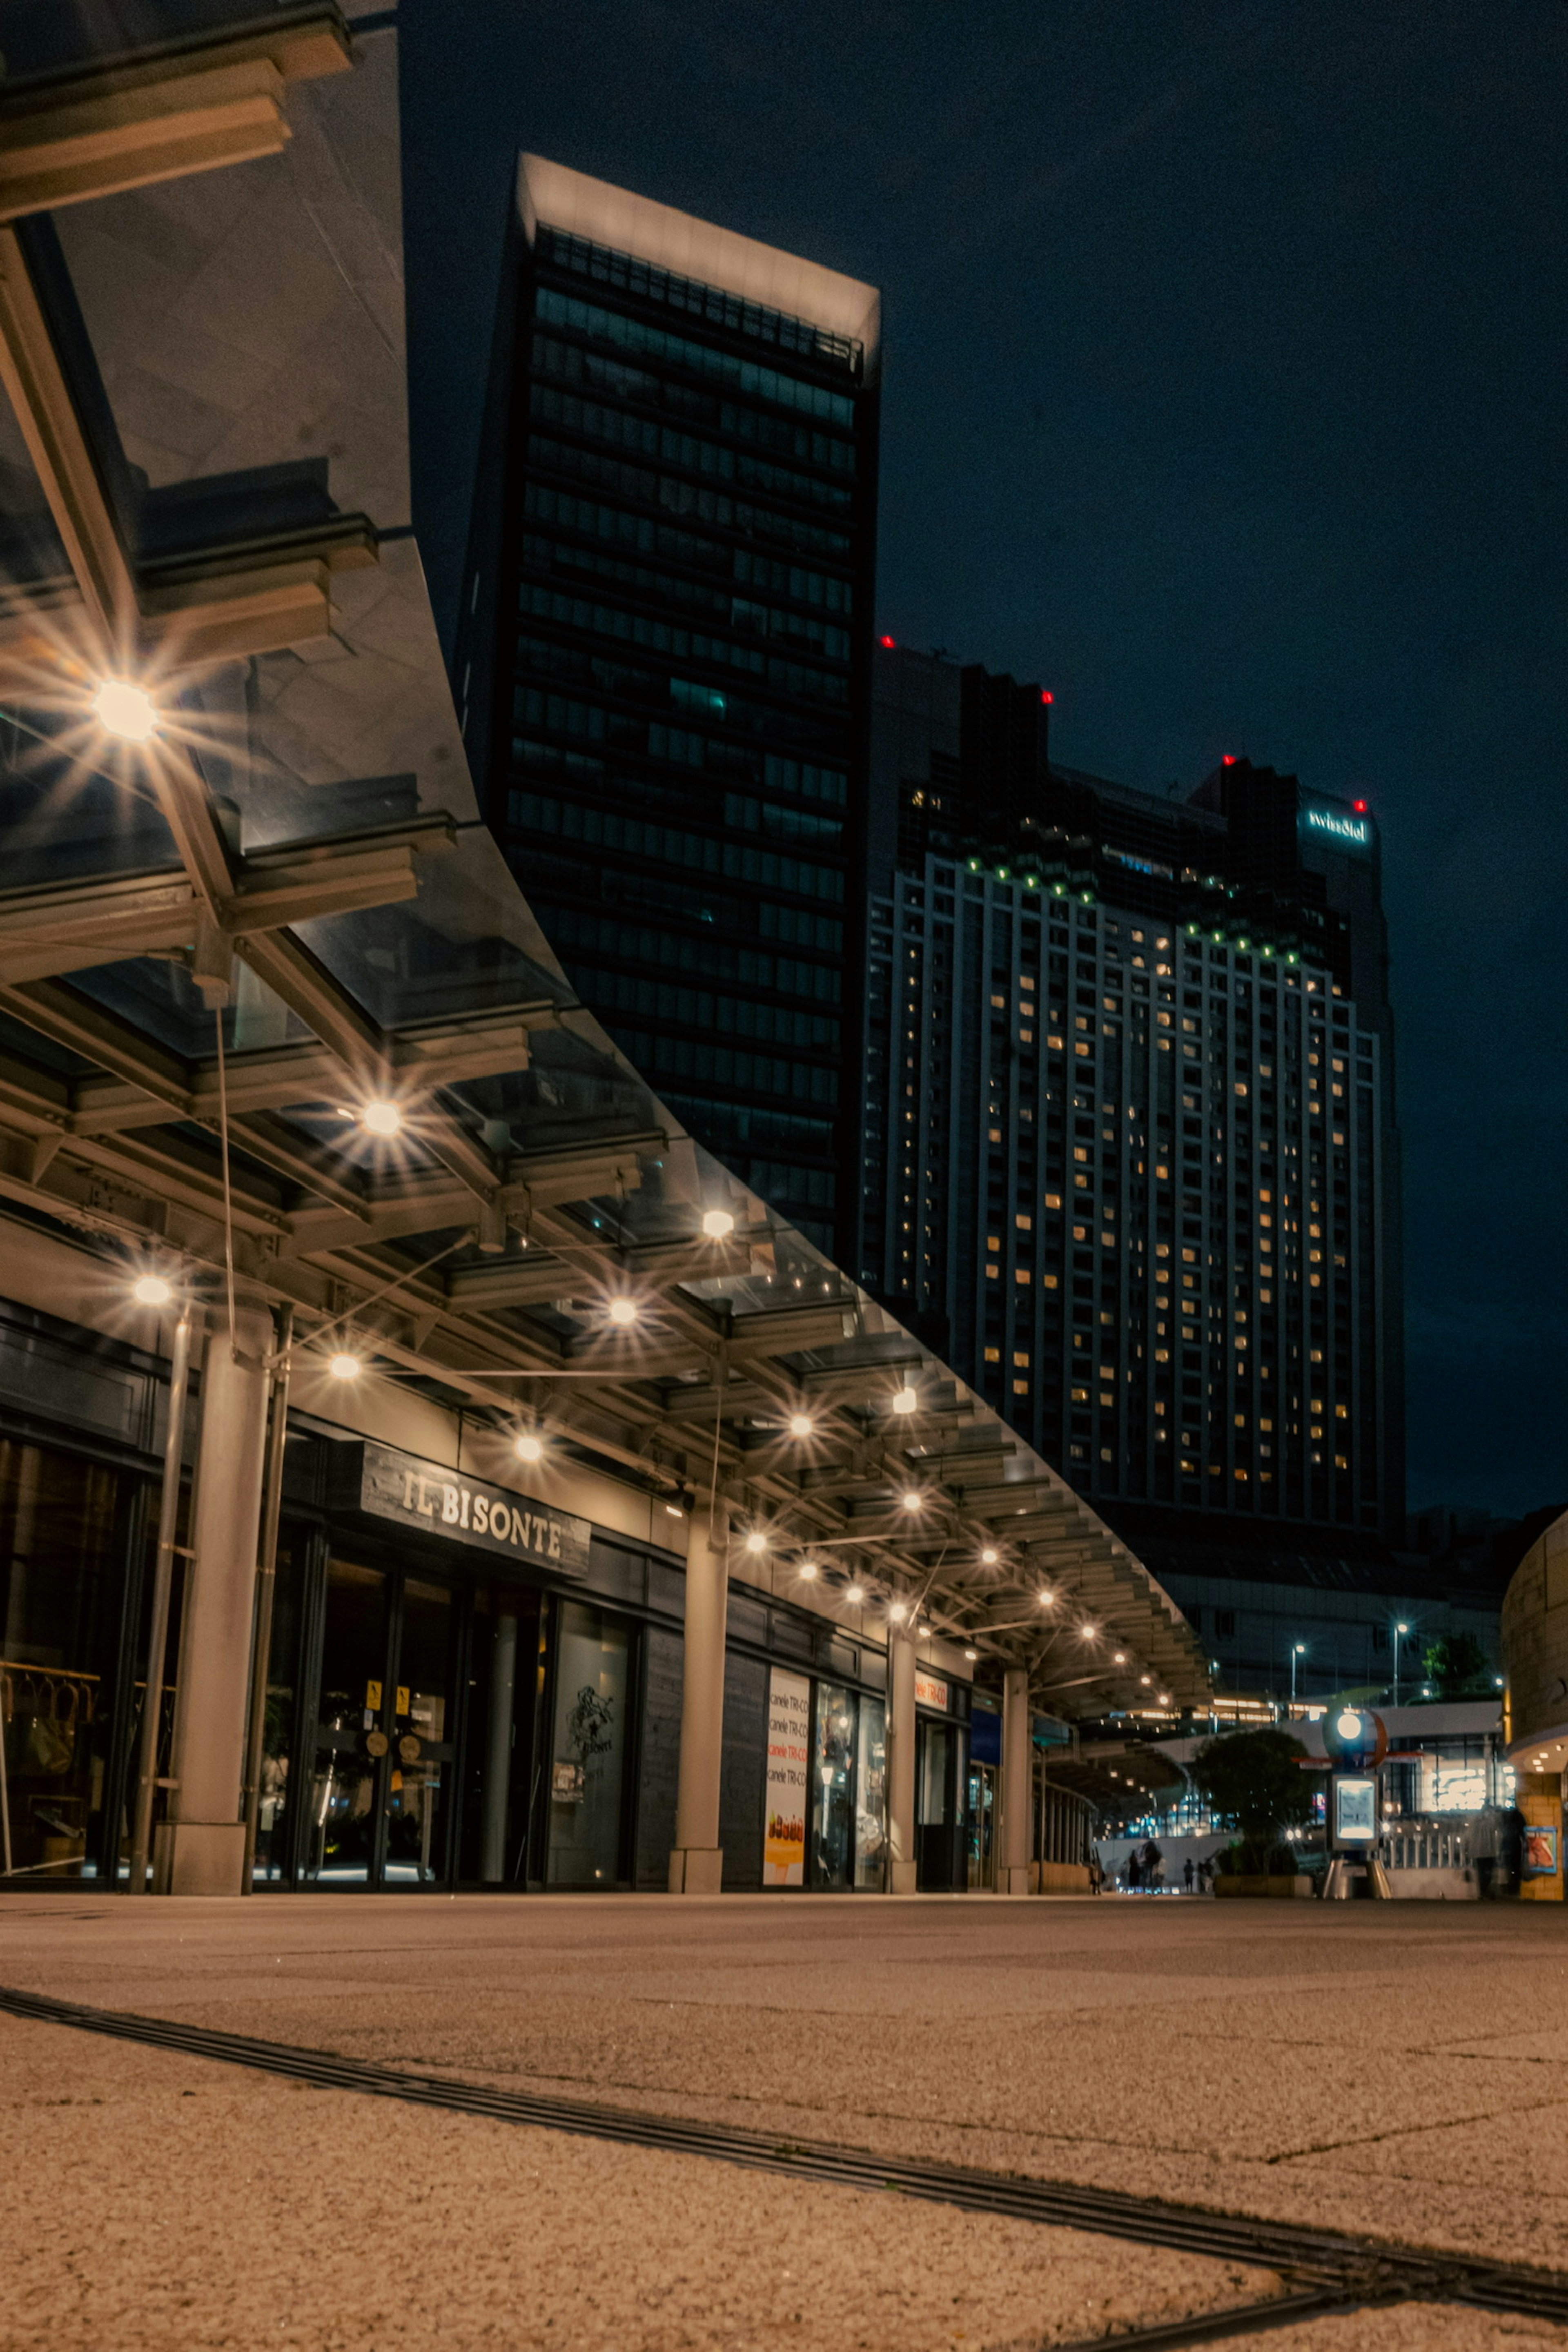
(1355, 1809)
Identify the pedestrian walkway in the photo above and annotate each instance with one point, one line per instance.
(1352, 2068)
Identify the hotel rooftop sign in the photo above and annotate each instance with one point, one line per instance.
(1335, 828)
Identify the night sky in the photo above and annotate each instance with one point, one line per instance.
(1225, 395)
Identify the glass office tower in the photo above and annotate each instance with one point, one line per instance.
(666, 664)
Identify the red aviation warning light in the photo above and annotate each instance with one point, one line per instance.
(890, 643)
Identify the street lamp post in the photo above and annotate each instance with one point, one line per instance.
(1397, 1631)
(1298, 1649)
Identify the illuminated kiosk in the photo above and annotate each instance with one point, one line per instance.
(1357, 1744)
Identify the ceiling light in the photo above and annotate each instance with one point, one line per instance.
(1145, 1679)
(380, 1118)
(855, 1594)
(528, 1448)
(801, 1424)
(345, 1367)
(905, 1400)
(971, 1655)
(912, 1500)
(152, 1290)
(756, 1540)
(1120, 1658)
(808, 1569)
(717, 1223)
(623, 1312)
(989, 1555)
(897, 1612)
(1046, 1598)
(125, 710)
(1164, 1698)
(1088, 1632)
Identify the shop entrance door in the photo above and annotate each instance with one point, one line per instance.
(380, 1793)
(981, 1801)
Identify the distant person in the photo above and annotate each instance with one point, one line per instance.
(1135, 1871)
(1189, 1873)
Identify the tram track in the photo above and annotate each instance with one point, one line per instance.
(1322, 2270)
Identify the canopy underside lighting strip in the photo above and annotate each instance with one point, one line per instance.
(1323, 2271)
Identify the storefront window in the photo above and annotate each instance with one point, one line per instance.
(936, 1764)
(61, 1579)
(351, 1739)
(981, 1796)
(419, 1777)
(832, 1794)
(278, 1724)
(588, 1747)
(504, 1656)
(870, 1796)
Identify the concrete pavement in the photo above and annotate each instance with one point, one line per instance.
(1396, 2071)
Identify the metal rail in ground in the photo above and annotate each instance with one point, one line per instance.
(1324, 2270)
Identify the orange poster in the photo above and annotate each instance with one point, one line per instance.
(789, 1760)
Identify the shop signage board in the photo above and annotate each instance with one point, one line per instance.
(789, 1762)
(441, 1502)
(930, 1691)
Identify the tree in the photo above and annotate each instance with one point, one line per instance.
(1457, 1667)
(1254, 1783)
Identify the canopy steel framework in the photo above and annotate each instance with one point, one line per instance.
(223, 942)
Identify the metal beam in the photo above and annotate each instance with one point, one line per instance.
(132, 124)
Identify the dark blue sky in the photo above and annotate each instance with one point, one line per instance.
(1226, 393)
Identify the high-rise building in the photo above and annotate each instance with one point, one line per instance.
(664, 662)
(1131, 1149)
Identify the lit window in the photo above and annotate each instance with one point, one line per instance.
(993, 1355)
(992, 1240)
(1025, 1224)
(1021, 1360)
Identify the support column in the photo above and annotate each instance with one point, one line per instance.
(1016, 1794)
(696, 1859)
(497, 1748)
(901, 1874)
(200, 1847)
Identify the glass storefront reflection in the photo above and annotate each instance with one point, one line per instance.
(588, 1748)
(832, 1794)
(420, 1754)
(351, 1739)
(61, 1551)
(870, 1796)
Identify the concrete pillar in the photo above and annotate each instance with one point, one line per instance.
(200, 1848)
(899, 1875)
(498, 1747)
(697, 1860)
(1014, 1795)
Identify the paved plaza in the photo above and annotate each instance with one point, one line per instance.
(1401, 2073)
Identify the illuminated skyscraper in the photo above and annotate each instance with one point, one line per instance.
(1132, 1145)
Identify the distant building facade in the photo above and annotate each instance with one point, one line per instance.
(665, 666)
(1131, 1145)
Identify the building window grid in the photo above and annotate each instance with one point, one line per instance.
(1316, 1336)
